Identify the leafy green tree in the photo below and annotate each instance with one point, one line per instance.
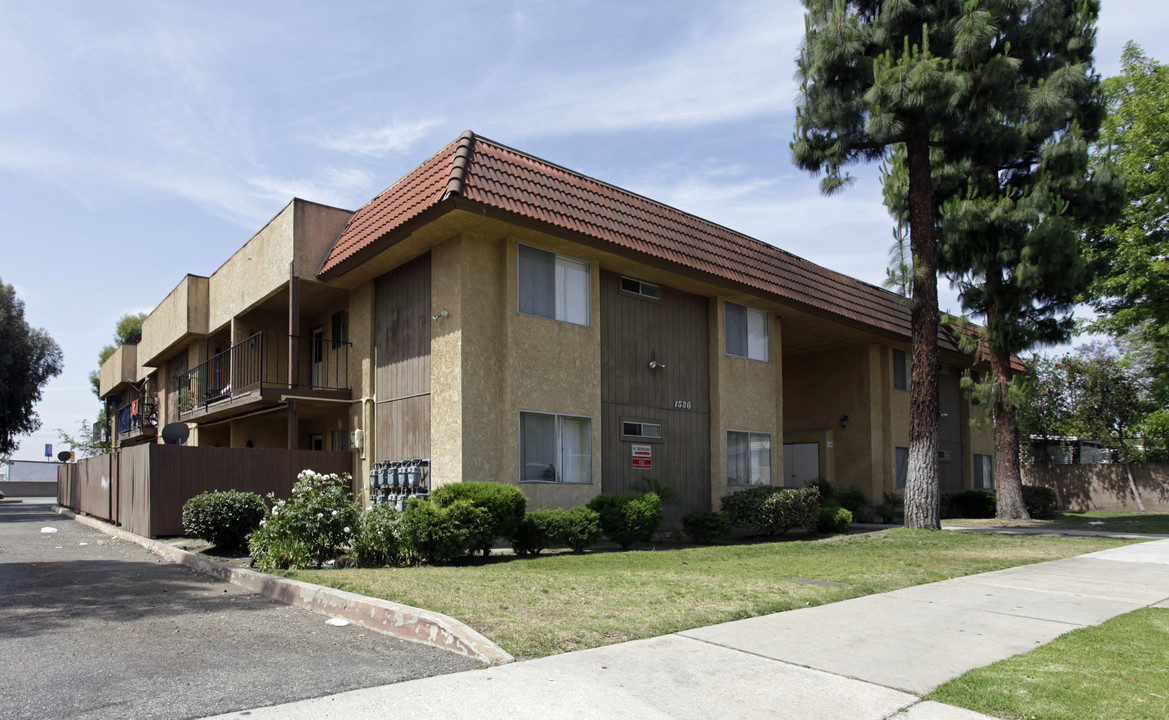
(29, 358)
(1011, 215)
(942, 83)
(1133, 289)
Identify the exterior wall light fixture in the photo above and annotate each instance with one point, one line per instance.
(843, 421)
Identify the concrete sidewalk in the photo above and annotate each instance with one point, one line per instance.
(866, 658)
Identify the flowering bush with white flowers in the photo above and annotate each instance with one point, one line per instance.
(308, 529)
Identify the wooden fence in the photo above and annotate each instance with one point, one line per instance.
(1104, 487)
(143, 488)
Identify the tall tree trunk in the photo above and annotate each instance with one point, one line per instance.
(921, 485)
(1008, 482)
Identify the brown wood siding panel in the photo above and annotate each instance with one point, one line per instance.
(402, 374)
(402, 331)
(673, 331)
(403, 429)
(681, 460)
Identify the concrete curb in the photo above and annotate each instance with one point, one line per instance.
(401, 621)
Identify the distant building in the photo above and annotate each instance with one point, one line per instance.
(1069, 450)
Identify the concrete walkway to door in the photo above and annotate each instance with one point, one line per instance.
(863, 659)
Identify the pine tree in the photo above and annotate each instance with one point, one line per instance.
(1012, 211)
(880, 74)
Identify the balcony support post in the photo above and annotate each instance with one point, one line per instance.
(293, 326)
(293, 425)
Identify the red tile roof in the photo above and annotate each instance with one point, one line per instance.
(504, 179)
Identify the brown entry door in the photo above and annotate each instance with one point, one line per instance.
(655, 390)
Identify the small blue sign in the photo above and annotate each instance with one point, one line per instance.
(48, 450)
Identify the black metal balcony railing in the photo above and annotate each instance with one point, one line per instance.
(137, 415)
(261, 361)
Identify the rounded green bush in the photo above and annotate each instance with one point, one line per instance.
(224, 518)
(628, 519)
(706, 526)
(504, 505)
(773, 510)
(1041, 502)
(582, 527)
(834, 519)
(442, 533)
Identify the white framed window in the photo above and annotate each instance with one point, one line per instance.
(901, 370)
(556, 448)
(746, 331)
(640, 287)
(748, 458)
(983, 472)
(634, 429)
(901, 465)
(553, 286)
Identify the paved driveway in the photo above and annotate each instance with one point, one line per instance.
(92, 627)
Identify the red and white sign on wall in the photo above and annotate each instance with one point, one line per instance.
(643, 457)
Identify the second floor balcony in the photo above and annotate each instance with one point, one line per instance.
(138, 418)
(265, 369)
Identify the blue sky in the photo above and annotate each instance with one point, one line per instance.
(145, 140)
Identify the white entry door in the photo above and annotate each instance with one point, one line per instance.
(801, 464)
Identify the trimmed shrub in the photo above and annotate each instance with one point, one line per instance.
(311, 527)
(628, 519)
(852, 499)
(1041, 502)
(582, 527)
(827, 491)
(892, 504)
(438, 533)
(706, 526)
(538, 530)
(834, 519)
(790, 508)
(773, 510)
(378, 540)
(578, 528)
(224, 518)
(972, 504)
(504, 505)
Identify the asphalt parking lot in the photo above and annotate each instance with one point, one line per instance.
(93, 627)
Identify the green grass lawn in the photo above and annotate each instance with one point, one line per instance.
(1116, 670)
(1106, 520)
(552, 604)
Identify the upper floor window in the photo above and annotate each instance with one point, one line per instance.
(641, 429)
(746, 332)
(553, 286)
(640, 287)
(901, 369)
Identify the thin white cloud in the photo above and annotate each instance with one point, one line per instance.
(731, 66)
(334, 186)
(392, 138)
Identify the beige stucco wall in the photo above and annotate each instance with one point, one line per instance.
(120, 367)
(745, 395)
(821, 389)
(184, 312)
(255, 271)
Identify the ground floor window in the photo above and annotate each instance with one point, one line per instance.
(901, 466)
(983, 472)
(748, 458)
(556, 448)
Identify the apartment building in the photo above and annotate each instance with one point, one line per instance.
(511, 320)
